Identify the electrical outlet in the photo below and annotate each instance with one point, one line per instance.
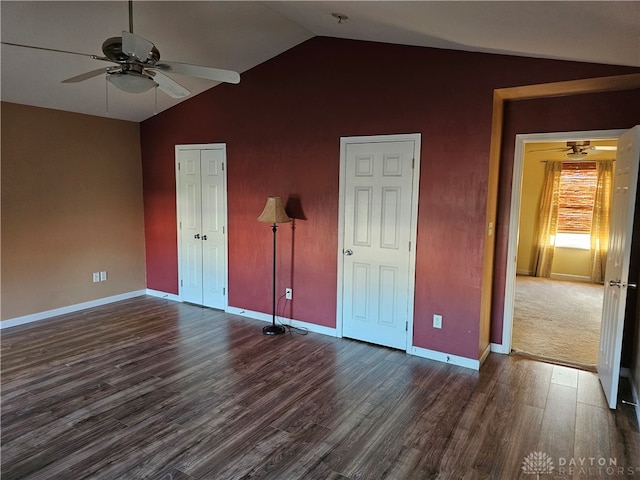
(96, 277)
(288, 293)
(103, 276)
(437, 321)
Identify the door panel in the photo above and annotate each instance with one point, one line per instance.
(618, 259)
(213, 228)
(378, 192)
(191, 226)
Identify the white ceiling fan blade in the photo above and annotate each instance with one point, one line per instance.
(133, 45)
(170, 86)
(86, 76)
(561, 149)
(210, 73)
(49, 49)
(604, 148)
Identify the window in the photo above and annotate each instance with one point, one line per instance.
(577, 191)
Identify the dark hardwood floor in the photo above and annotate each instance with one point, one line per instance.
(153, 389)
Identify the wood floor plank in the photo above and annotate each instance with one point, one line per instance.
(149, 388)
(557, 435)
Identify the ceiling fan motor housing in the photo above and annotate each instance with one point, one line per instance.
(112, 49)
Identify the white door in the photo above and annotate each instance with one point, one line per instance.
(617, 270)
(190, 225)
(202, 219)
(377, 263)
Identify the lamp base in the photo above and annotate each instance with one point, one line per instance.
(274, 330)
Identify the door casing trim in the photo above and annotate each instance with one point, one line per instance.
(500, 97)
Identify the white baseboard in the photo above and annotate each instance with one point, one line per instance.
(34, 317)
(499, 348)
(570, 278)
(168, 296)
(266, 317)
(558, 276)
(447, 358)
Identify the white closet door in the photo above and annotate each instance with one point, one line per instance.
(202, 224)
(190, 226)
(213, 228)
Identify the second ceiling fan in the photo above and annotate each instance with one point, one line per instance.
(579, 150)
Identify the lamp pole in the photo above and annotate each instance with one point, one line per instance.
(274, 213)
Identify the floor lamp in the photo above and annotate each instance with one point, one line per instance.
(274, 213)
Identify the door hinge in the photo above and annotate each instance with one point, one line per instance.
(178, 166)
(223, 230)
(222, 166)
(409, 246)
(181, 283)
(224, 291)
(413, 163)
(406, 326)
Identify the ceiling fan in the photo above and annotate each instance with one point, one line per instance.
(138, 68)
(579, 150)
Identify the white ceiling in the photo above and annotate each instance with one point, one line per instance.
(239, 35)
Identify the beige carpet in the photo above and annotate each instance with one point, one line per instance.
(557, 321)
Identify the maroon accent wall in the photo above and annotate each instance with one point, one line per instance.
(282, 125)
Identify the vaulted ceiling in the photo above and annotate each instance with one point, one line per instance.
(239, 35)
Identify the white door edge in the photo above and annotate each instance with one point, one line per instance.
(514, 212)
(416, 138)
(202, 146)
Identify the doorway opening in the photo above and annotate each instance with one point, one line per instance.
(553, 302)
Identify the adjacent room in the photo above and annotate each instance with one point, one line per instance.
(271, 239)
(563, 234)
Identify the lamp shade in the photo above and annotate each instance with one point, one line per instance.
(274, 212)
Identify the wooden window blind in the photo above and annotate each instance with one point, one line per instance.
(578, 183)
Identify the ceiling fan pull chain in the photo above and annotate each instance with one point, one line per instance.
(106, 96)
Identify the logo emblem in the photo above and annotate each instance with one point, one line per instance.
(537, 463)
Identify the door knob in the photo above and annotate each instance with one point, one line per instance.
(196, 236)
(348, 252)
(204, 237)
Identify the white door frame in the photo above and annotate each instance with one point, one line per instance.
(514, 215)
(344, 141)
(203, 146)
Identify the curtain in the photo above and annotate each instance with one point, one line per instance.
(548, 220)
(600, 221)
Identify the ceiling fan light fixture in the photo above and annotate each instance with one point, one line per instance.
(577, 155)
(131, 82)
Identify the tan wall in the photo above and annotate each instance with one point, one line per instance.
(573, 262)
(566, 261)
(71, 205)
